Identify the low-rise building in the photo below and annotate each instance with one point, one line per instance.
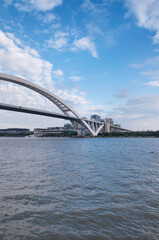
(96, 117)
(53, 130)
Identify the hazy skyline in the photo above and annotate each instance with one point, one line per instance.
(100, 56)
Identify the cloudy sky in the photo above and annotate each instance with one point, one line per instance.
(100, 56)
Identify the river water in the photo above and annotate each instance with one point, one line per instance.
(74, 188)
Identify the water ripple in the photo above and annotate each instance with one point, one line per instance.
(82, 189)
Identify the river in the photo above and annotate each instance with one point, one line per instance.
(79, 188)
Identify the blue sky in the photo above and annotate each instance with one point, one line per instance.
(100, 56)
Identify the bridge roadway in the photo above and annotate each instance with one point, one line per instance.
(119, 128)
(15, 108)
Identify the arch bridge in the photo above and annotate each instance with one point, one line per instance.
(83, 126)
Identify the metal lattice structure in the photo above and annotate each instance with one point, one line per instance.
(88, 126)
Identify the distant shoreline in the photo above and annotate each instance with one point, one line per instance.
(135, 134)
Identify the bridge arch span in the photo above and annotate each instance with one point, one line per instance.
(64, 107)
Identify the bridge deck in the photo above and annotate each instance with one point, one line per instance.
(14, 108)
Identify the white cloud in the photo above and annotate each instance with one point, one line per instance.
(154, 76)
(45, 5)
(59, 41)
(56, 26)
(74, 99)
(150, 70)
(136, 65)
(11, 36)
(154, 61)
(62, 41)
(23, 61)
(24, 7)
(48, 18)
(40, 5)
(153, 83)
(86, 43)
(146, 13)
(156, 50)
(75, 78)
(32, 51)
(93, 29)
(58, 73)
(95, 8)
(88, 5)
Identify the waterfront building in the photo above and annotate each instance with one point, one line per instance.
(96, 118)
(68, 128)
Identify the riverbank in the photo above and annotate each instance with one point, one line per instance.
(146, 134)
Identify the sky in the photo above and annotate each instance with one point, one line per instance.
(99, 56)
